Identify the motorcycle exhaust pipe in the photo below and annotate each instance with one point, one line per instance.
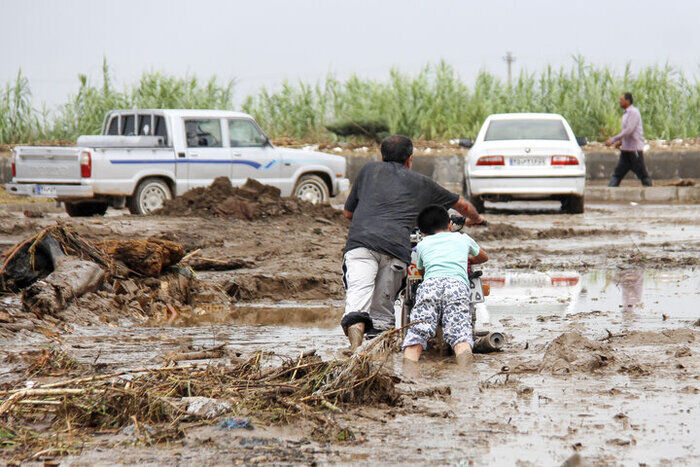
(491, 342)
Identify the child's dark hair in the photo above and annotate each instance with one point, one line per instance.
(432, 219)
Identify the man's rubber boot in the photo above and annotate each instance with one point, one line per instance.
(355, 335)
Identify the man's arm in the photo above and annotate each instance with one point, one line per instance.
(353, 199)
(628, 126)
(466, 209)
(482, 257)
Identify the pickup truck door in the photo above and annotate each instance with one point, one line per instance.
(252, 156)
(205, 156)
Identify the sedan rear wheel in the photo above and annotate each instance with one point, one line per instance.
(573, 204)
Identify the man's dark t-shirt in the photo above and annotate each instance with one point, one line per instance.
(385, 201)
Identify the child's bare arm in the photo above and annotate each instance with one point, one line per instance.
(482, 257)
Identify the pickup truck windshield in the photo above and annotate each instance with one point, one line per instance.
(545, 129)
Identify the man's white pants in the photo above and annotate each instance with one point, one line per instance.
(372, 280)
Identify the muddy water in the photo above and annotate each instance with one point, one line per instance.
(609, 416)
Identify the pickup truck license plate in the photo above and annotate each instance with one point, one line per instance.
(476, 291)
(520, 161)
(45, 190)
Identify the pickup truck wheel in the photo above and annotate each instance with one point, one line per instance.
(313, 189)
(150, 195)
(573, 204)
(87, 209)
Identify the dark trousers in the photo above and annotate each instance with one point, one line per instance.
(634, 161)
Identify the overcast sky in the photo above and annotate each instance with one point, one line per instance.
(260, 43)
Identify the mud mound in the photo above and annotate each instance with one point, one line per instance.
(282, 287)
(571, 352)
(509, 231)
(500, 232)
(251, 201)
(569, 232)
(666, 337)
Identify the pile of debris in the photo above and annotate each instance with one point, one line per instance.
(161, 402)
(253, 200)
(61, 276)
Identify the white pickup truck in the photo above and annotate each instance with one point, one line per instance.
(145, 157)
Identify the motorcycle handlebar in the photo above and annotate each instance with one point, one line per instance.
(459, 221)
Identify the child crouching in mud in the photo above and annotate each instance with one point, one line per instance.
(443, 296)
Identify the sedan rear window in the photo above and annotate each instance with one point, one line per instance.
(546, 129)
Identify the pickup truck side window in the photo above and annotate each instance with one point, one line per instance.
(128, 125)
(244, 134)
(159, 128)
(113, 127)
(203, 133)
(145, 125)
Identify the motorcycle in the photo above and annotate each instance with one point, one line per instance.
(484, 341)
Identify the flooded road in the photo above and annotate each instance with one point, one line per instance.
(599, 311)
(641, 409)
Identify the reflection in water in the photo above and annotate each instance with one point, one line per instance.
(565, 292)
(631, 283)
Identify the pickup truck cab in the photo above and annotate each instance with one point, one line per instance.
(525, 156)
(145, 157)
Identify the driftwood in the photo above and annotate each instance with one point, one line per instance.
(214, 352)
(149, 257)
(71, 278)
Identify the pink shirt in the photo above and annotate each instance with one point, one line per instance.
(632, 134)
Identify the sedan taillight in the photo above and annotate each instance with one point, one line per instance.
(85, 165)
(564, 160)
(490, 160)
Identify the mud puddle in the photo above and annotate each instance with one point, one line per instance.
(637, 405)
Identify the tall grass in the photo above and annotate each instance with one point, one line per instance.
(434, 103)
(85, 110)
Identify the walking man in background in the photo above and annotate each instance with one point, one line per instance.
(631, 139)
(384, 202)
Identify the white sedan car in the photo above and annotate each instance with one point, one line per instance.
(525, 156)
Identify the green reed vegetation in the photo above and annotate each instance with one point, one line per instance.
(434, 103)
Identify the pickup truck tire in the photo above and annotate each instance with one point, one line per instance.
(149, 196)
(87, 209)
(573, 204)
(313, 189)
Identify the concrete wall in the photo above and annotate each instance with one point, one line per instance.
(448, 170)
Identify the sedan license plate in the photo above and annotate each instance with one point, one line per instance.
(526, 161)
(476, 291)
(45, 190)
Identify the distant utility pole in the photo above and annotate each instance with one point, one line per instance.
(509, 59)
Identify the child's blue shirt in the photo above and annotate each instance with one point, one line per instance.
(446, 254)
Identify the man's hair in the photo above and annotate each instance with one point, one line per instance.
(396, 148)
(432, 219)
(628, 97)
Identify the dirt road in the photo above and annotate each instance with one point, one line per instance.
(599, 311)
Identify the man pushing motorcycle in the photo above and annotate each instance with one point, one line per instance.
(383, 204)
